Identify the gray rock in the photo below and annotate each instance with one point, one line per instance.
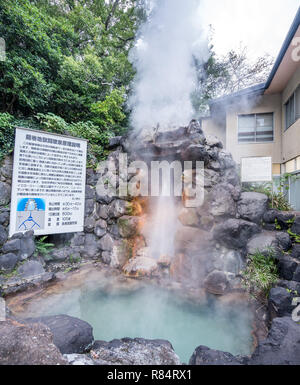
(27, 245)
(284, 241)
(22, 344)
(206, 356)
(90, 192)
(231, 177)
(287, 267)
(292, 286)
(30, 269)
(78, 239)
(70, 334)
(136, 351)
(4, 217)
(89, 224)
(216, 283)
(296, 251)
(281, 217)
(262, 242)
(3, 235)
(235, 233)
(282, 346)
(12, 246)
(100, 228)
(8, 261)
(5, 191)
(296, 226)
(128, 226)
(89, 207)
(119, 208)
(78, 359)
(106, 243)
(252, 206)
(61, 254)
(106, 257)
(222, 202)
(103, 199)
(280, 302)
(92, 248)
(296, 276)
(195, 152)
(102, 211)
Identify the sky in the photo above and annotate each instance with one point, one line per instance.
(261, 25)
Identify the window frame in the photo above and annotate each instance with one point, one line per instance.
(255, 115)
(296, 117)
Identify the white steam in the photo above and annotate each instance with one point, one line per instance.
(164, 59)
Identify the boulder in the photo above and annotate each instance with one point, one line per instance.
(296, 251)
(226, 160)
(102, 211)
(89, 224)
(119, 208)
(140, 267)
(296, 226)
(3, 235)
(206, 356)
(27, 245)
(137, 351)
(213, 141)
(92, 247)
(30, 269)
(280, 302)
(78, 239)
(8, 262)
(89, 207)
(195, 152)
(22, 344)
(120, 253)
(4, 217)
(284, 240)
(282, 346)
(296, 276)
(115, 142)
(188, 217)
(281, 218)
(5, 191)
(287, 267)
(106, 243)
(100, 228)
(235, 233)
(222, 202)
(61, 254)
(216, 283)
(263, 242)
(252, 206)
(128, 226)
(70, 334)
(292, 286)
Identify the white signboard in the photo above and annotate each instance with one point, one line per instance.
(48, 187)
(256, 169)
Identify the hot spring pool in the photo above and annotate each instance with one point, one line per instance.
(152, 313)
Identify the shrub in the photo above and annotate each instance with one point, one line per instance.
(260, 274)
(7, 134)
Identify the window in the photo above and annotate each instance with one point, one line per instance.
(255, 128)
(292, 109)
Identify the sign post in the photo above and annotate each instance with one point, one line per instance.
(257, 169)
(48, 186)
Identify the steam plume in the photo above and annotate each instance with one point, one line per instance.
(163, 57)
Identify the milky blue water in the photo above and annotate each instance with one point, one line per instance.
(156, 314)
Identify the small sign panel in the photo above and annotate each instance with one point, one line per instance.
(256, 169)
(48, 187)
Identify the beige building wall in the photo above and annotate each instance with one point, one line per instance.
(291, 136)
(266, 103)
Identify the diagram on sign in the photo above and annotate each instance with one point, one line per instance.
(30, 214)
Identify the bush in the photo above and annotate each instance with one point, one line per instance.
(7, 134)
(260, 274)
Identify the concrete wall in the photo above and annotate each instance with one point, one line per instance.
(267, 103)
(291, 136)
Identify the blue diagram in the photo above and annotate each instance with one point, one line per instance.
(30, 214)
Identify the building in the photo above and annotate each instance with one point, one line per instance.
(264, 120)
